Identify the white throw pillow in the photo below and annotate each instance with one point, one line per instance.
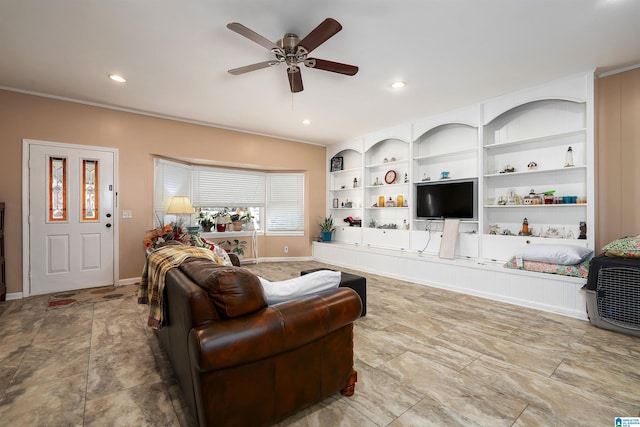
(554, 254)
(309, 284)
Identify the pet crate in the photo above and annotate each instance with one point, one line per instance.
(613, 294)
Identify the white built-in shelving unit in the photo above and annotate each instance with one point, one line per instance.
(479, 141)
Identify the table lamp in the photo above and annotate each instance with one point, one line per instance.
(180, 205)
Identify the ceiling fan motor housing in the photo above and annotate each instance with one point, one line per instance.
(293, 54)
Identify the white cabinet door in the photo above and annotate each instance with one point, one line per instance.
(386, 238)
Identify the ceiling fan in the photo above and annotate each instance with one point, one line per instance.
(292, 51)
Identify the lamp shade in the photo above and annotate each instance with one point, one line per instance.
(180, 205)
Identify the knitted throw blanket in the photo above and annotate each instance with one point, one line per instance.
(153, 274)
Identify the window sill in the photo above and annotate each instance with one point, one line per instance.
(225, 234)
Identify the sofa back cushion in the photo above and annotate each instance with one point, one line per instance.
(233, 291)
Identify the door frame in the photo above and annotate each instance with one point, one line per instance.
(26, 227)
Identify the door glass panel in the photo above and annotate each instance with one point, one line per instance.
(57, 189)
(89, 190)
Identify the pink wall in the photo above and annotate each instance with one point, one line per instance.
(138, 138)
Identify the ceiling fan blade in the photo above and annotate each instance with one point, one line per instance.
(253, 67)
(335, 67)
(295, 81)
(320, 34)
(252, 35)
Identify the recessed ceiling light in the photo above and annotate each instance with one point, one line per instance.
(117, 78)
(398, 84)
(306, 122)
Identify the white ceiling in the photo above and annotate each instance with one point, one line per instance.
(175, 55)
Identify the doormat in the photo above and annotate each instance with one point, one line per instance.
(93, 295)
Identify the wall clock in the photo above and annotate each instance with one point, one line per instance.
(390, 177)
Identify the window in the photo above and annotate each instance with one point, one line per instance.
(213, 189)
(89, 190)
(171, 179)
(57, 189)
(285, 204)
(227, 187)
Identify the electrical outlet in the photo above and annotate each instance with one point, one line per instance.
(286, 249)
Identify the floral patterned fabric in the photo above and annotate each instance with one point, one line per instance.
(627, 247)
(200, 242)
(576, 270)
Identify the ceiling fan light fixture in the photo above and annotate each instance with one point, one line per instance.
(398, 84)
(117, 78)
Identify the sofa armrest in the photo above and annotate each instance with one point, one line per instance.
(273, 330)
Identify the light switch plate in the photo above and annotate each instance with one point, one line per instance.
(127, 214)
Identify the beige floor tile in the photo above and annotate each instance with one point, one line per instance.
(142, 405)
(41, 365)
(550, 397)
(54, 403)
(121, 366)
(526, 357)
(429, 413)
(425, 357)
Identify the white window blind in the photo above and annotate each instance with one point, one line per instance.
(285, 204)
(214, 187)
(171, 179)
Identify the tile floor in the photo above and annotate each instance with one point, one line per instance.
(425, 357)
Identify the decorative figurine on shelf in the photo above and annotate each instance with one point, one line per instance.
(355, 182)
(494, 229)
(444, 175)
(583, 230)
(532, 165)
(513, 198)
(568, 162)
(508, 169)
(525, 228)
(377, 181)
(390, 203)
(426, 178)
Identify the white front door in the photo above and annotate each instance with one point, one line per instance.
(71, 217)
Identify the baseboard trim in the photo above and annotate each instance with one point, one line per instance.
(14, 295)
(285, 259)
(129, 281)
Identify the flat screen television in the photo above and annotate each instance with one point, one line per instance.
(448, 199)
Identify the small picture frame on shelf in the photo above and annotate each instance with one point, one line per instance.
(335, 203)
(336, 164)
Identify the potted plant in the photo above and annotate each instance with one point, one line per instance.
(238, 247)
(205, 221)
(221, 218)
(326, 228)
(235, 222)
(247, 220)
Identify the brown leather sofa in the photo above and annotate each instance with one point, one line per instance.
(240, 362)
